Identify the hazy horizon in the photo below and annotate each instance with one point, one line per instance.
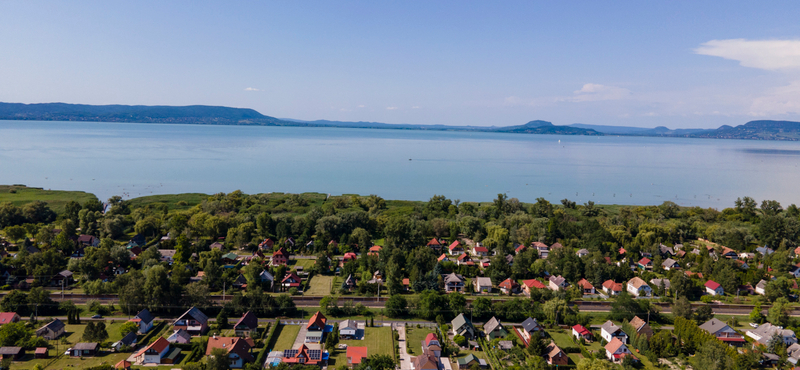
(684, 65)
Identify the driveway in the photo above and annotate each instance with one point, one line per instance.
(405, 358)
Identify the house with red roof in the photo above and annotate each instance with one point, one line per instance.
(480, 251)
(521, 248)
(316, 328)
(586, 287)
(431, 344)
(714, 288)
(374, 250)
(291, 280)
(616, 351)
(611, 288)
(154, 353)
(443, 258)
(580, 332)
(434, 244)
(528, 285)
(464, 259)
(349, 256)
(8, 317)
(237, 349)
(302, 356)
(280, 257)
(645, 264)
(355, 355)
(455, 248)
(509, 286)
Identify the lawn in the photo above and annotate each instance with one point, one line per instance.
(414, 338)
(377, 340)
(66, 362)
(320, 286)
(286, 335)
(305, 262)
(173, 201)
(56, 199)
(75, 332)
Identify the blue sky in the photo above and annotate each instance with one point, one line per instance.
(634, 63)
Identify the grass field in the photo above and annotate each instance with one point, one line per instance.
(75, 332)
(377, 340)
(305, 262)
(320, 286)
(175, 202)
(56, 199)
(414, 338)
(66, 362)
(286, 336)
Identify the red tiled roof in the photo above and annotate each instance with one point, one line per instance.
(375, 248)
(454, 245)
(442, 257)
(429, 338)
(355, 354)
(318, 320)
(433, 242)
(481, 249)
(159, 345)
(406, 281)
(713, 285)
(7, 317)
(644, 261)
(585, 284)
(610, 284)
(533, 283)
(581, 330)
(508, 284)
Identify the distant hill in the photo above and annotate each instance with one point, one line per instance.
(756, 130)
(546, 128)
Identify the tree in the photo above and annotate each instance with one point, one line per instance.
(460, 340)
(703, 314)
(712, 356)
(396, 306)
(377, 362)
(333, 338)
(14, 334)
(755, 315)
(218, 360)
(556, 310)
(128, 327)
(682, 308)
(594, 364)
(95, 332)
(15, 233)
(778, 314)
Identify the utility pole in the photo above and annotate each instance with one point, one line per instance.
(223, 292)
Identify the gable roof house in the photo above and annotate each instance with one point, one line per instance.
(291, 280)
(246, 325)
(128, 340)
(761, 287)
(434, 244)
(267, 279)
(666, 251)
(51, 330)
(542, 249)
(144, 319)
(193, 321)
(238, 350)
(355, 355)
(610, 331)
(555, 356)
(714, 288)
(8, 317)
(580, 332)
(180, 336)
(315, 328)
(453, 283)
(670, 264)
(586, 287)
(348, 329)
(493, 328)
(462, 326)
(661, 283)
(531, 327)
(723, 332)
(431, 344)
(279, 257)
(509, 286)
(467, 361)
(616, 350)
(426, 361)
(483, 285)
(464, 259)
(12, 353)
(641, 327)
(302, 356)
(645, 264)
(455, 248)
(638, 288)
(611, 288)
(582, 252)
(88, 240)
(349, 283)
(528, 285)
(155, 353)
(764, 333)
(558, 283)
(84, 349)
(480, 251)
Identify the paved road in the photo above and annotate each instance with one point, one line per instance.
(405, 358)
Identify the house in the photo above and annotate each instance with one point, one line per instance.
(638, 288)
(505, 345)
(167, 255)
(355, 355)
(453, 283)
(794, 270)
(302, 356)
(12, 353)
(154, 353)
(493, 328)
(216, 245)
(247, 325)
(315, 328)
(467, 361)
(238, 349)
(616, 350)
(267, 244)
(128, 340)
(483, 285)
(406, 284)
(193, 321)
(645, 264)
(8, 317)
(531, 327)
(349, 256)
(230, 258)
(729, 253)
(279, 257)
(528, 285)
(555, 356)
(793, 353)
(582, 252)
(742, 264)
(723, 332)
(63, 278)
(431, 344)
(586, 287)
(749, 256)
(88, 240)
(51, 330)
(455, 248)
(40, 352)
(557, 283)
(267, 279)
(761, 287)
(462, 326)
(144, 319)
(580, 332)
(519, 249)
(349, 283)
(84, 349)
(123, 365)
(443, 258)
(610, 331)
(434, 244)
(348, 329)
(374, 250)
(670, 264)
(765, 332)
(509, 286)
(765, 251)
(641, 327)
(480, 251)
(713, 288)
(661, 283)
(425, 361)
(180, 336)
(291, 280)
(666, 251)
(542, 249)
(464, 259)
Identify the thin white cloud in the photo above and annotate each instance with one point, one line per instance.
(415, 107)
(761, 54)
(362, 106)
(251, 89)
(777, 101)
(597, 92)
(391, 108)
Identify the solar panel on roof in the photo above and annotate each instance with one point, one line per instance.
(289, 353)
(314, 354)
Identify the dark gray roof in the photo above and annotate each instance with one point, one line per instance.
(492, 325)
(713, 326)
(10, 350)
(194, 313)
(54, 325)
(86, 346)
(144, 315)
(530, 324)
(129, 339)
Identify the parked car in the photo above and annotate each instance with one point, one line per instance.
(67, 353)
(97, 316)
(754, 325)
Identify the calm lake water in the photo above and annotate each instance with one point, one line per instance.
(142, 159)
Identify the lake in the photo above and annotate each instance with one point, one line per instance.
(143, 159)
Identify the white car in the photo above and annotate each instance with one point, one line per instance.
(754, 325)
(67, 353)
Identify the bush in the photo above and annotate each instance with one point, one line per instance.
(292, 291)
(460, 340)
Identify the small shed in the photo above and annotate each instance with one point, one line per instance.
(40, 352)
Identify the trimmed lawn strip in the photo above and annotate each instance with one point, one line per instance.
(377, 340)
(414, 338)
(320, 286)
(286, 335)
